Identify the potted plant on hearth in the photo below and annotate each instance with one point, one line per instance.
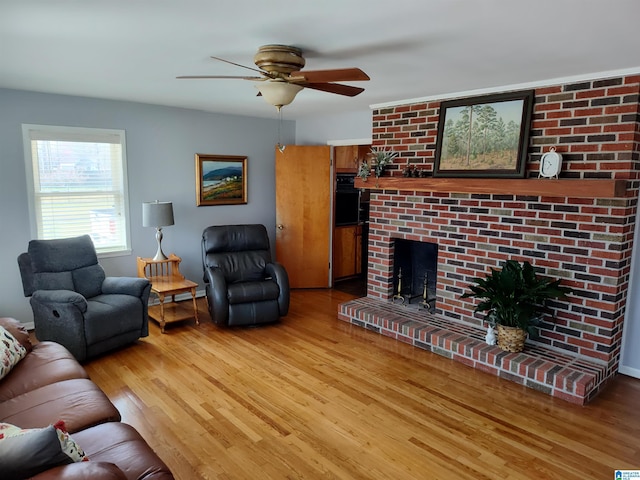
(514, 298)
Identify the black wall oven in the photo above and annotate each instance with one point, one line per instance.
(347, 208)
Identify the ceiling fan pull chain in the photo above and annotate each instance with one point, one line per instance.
(280, 146)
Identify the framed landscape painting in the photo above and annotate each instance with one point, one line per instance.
(221, 180)
(485, 136)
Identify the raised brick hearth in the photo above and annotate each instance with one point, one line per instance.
(585, 241)
(564, 376)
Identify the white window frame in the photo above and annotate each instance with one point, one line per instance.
(83, 134)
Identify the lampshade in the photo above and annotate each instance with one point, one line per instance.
(157, 214)
(278, 93)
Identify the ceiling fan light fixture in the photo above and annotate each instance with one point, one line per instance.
(278, 93)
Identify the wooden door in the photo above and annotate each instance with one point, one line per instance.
(303, 214)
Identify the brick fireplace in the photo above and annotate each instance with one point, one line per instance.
(579, 228)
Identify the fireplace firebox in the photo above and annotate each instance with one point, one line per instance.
(415, 271)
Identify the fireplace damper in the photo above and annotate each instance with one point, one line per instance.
(415, 271)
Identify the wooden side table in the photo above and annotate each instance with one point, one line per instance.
(166, 280)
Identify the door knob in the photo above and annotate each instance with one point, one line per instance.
(280, 226)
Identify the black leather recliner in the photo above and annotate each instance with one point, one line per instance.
(243, 285)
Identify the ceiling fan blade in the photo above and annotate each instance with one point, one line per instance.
(337, 75)
(218, 76)
(338, 88)
(261, 72)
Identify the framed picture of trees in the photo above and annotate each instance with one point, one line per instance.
(485, 136)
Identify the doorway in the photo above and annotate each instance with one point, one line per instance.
(630, 353)
(351, 219)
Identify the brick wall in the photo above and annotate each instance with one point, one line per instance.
(585, 241)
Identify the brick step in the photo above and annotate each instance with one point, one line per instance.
(570, 378)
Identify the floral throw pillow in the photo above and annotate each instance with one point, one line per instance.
(27, 452)
(11, 352)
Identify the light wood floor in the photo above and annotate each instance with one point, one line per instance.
(316, 398)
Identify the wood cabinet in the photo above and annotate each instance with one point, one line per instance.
(358, 250)
(347, 251)
(364, 151)
(347, 158)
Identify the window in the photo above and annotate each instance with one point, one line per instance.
(76, 179)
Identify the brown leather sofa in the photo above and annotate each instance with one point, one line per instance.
(49, 385)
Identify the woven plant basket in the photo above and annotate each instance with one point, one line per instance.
(511, 339)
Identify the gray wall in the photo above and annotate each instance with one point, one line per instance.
(161, 143)
(344, 126)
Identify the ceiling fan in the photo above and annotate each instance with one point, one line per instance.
(281, 75)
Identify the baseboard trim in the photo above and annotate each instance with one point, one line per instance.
(632, 372)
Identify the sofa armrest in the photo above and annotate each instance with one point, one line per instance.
(58, 316)
(134, 286)
(18, 330)
(49, 297)
(83, 471)
(276, 271)
(137, 287)
(217, 300)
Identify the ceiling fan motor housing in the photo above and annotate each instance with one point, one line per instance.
(282, 59)
(281, 76)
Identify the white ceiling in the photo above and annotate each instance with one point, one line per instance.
(133, 49)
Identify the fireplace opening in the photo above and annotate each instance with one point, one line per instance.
(415, 272)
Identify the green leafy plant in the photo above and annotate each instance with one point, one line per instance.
(382, 159)
(514, 296)
(364, 170)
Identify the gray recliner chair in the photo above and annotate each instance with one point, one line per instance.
(75, 304)
(243, 285)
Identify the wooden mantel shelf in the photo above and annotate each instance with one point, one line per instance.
(577, 188)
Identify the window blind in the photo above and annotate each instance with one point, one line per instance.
(78, 184)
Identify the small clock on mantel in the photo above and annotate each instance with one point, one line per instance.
(550, 164)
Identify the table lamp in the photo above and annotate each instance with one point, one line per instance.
(157, 214)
